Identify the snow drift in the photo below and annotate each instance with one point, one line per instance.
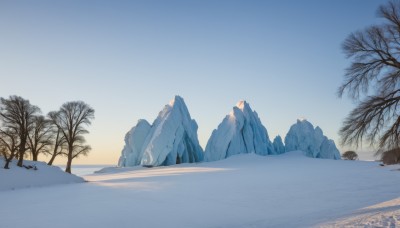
(240, 132)
(45, 175)
(171, 139)
(303, 136)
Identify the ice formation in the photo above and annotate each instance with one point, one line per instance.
(278, 145)
(171, 139)
(134, 139)
(302, 136)
(240, 132)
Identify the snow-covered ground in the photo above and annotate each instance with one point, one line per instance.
(288, 190)
(386, 214)
(83, 170)
(17, 177)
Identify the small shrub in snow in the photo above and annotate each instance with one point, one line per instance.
(391, 157)
(350, 155)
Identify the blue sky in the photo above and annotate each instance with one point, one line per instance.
(127, 59)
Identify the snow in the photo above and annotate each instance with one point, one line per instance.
(303, 136)
(386, 214)
(17, 177)
(240, 132)
(171, 139)
(246, 190)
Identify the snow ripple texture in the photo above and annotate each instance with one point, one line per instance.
(171, 139)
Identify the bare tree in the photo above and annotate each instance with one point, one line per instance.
(71, 119)
(58, 145)
(17, 117)
(8, 145)
(373, 81)
(39, 139)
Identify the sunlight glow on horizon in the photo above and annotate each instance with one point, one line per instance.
(127, 59)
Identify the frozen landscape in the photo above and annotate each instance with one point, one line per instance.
(172, 138)
(245, 180)
(284, 114)
(246, 190)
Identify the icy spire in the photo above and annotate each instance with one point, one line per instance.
(240, 132)
(171, 139)
(303, 136)
(278, 145)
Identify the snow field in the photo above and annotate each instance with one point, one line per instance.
(247, 190)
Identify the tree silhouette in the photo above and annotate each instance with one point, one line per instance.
(71, 120)
(58, 145)
(39, 139)
(17, 117)
(8, 145)
(373, 81)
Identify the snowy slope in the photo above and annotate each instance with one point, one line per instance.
(246, 190)
(171, 139)
(240, 132)
(17, 177)
(386, 214)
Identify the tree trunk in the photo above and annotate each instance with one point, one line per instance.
(21, 152)
(20, 158)
(68, 168)
(69, 162)
(53, 157)
(6, 166)
(34, 156)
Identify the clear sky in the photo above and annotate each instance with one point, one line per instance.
(127, 59)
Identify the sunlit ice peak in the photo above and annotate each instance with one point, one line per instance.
(242, 104)
(177, 99)
(301, 119)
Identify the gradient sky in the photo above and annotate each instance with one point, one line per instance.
(127, 59)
